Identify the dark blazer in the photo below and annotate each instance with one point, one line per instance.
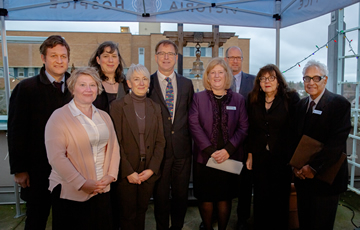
(247, 84)
(31, 103)
(332, 128)
(123, 114)
(274, 127)
(177, 134)
(102, 102)
(201, 121)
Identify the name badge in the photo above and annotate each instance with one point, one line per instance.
(231, 107)
(318, 112)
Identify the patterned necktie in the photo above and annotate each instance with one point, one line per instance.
(58, 85)
(169, 96)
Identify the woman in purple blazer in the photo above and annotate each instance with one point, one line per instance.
(218, 122)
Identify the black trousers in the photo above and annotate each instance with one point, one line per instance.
(37, 212)
(316, 212)
(133, 203)
(93, 214)
(175, 173)
(272, 185)
(245, 187)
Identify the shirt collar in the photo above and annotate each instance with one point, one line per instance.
(316, 100)
(51, 79)
(162, 76)
(239, 75)
(76, 112)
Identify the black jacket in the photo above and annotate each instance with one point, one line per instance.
(332, 128)
(31, 103)
(177, 134)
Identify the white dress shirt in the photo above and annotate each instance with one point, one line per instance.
(98, 135)
(163, 84)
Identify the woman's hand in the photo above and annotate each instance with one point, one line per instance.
(134, 178)
(249, 161)
(89, 187)
(146, 174)
(103, 183)
(220, 155)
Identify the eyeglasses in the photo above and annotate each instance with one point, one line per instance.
(271, 78)
(315, 78)
(235, 58)
(163, 54)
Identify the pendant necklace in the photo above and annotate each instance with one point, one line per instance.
(141, 118)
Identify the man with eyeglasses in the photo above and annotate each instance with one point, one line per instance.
(174, 93)
(243, 84)
(325, 117)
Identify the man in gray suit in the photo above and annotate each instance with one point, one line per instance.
(243, 84)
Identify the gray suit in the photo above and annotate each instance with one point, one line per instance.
(247, 84)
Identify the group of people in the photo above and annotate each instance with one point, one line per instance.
(96, 145)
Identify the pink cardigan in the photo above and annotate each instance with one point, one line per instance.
(69, 153)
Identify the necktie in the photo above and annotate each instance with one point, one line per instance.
(310, 111)
(169, 96)
(58, 85)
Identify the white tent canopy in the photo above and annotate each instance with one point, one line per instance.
(250, 13)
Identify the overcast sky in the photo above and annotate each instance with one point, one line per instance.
(296, 42)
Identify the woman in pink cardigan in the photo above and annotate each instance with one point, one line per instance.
(84, 155)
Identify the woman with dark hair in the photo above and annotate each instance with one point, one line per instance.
(271, 109)
(107, 60)
(218, 123)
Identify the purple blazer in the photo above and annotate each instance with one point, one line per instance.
(201, 121)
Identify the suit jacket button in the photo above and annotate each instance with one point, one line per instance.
(169, 118)
(172, 132)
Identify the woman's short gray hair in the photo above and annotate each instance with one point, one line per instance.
(322, 67)
(139, 69)
(90, 71)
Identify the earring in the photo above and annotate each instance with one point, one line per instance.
(148, 90)
(130, 91)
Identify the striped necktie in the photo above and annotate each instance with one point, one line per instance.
(169, 96)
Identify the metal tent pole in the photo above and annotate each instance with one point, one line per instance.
(7, 91)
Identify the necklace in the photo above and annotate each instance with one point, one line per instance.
(219, 97)
(139, 116)
(111, 83)
(269, 102)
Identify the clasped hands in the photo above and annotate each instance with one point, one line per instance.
(305, 172)
(220, 155)
(95, 187)
(137, 178)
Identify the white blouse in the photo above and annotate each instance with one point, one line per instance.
(98, 135)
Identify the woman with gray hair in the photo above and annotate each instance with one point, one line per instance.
(84, 155)
(139, 127)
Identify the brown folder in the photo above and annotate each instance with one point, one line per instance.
(306, 150)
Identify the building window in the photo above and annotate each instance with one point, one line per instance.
(31, 72)
(142, 56)
(21, 72)
(221, 52)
